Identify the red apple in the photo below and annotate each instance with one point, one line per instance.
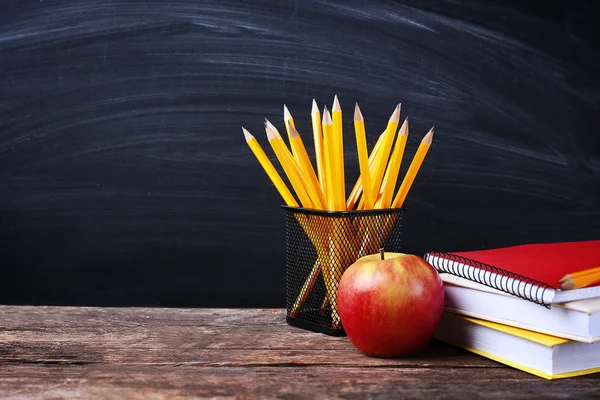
(390, 307)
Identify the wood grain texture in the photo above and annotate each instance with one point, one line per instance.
(125, 179)
(66, 352)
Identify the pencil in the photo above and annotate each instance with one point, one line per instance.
(306, 166)
(363, 156)
(289, 167)
(326, 259)
(329, 162)
(287, 119)
(338, 155)
(264, 161)
(290, 201)
(333, 153)
(413, 169)
(329, 180)
(580, 279)
(357, 190)
(286, 151)
(384, 153)
(322, 250)
(308, 285)
(315, 116)
(391, 174)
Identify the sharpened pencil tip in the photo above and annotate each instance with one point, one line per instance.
(357, 114)
(315, 107)
(271, 128)
(326, 117)
(395, 115)
(247, 134)
(286, 113)
(404, 128)
(271, 131)
(336, 104)
(429, 137)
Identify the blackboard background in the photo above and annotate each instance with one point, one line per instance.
(126, 181)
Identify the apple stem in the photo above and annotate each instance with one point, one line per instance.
(381, 253)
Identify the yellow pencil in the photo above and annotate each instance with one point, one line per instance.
(328, 152)
(287, 119)
(363, 156)
(338, 156)
(285, 149)
(315, 116)
(413, 169)
(391, 174)
(329, 257)
(595, 270)
(289, 167)
(358, 189)
(580, 279)
(384, 153)
(306, 166)
(270, 169)
(303, 160)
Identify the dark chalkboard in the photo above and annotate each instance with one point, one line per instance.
(126, 180)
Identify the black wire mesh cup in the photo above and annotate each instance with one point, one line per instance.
(320, 246)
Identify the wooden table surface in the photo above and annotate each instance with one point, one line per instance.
(153, 353)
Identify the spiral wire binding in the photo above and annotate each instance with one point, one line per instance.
(456, 264)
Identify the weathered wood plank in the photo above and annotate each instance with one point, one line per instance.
(200, 337)
(49, 353)
(71, 352)
(317, 382)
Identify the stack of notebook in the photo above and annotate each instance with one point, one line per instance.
(523, 305)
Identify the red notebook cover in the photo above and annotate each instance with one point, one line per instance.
(546, 262)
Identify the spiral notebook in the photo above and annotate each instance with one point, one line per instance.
(530, 271)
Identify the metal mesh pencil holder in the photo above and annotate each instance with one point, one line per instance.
(320, 246)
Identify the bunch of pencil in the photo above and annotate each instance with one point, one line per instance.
(324, 188)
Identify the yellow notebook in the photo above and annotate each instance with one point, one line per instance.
(546, 356)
